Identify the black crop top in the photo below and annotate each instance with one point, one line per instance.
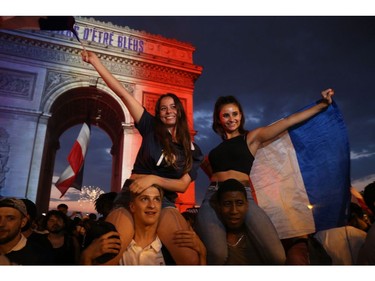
(232, 154)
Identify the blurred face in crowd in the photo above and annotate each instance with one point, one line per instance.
(233, 207)
(55, 224)
(63, 209)
(11, 223)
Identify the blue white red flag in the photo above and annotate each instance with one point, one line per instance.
(302, 179)
(76, 160)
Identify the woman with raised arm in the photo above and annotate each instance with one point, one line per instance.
(233, 158)
(167, 158)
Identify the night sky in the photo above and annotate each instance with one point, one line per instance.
(274, 65)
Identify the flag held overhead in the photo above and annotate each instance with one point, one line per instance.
(40, 23)
(58, 23)
(302, 179)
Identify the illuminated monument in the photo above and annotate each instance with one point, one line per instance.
(45, 89)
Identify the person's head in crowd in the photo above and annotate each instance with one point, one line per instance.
(55, 221)
(13, 217)
(63, 208)
(31, 213)
(357, 217)
(92, 217)
(369, 197)
(104, 203)
(232, 203)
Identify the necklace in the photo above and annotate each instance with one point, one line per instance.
(238, 241)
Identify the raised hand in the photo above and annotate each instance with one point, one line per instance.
(327, 95)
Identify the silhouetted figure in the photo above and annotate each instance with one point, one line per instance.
(104, 204)
(366, 255)
(38, 240)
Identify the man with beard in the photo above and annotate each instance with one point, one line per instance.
(13, 244)
(65, 246)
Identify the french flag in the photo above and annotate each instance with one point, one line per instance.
(302, 179)
(76, 160)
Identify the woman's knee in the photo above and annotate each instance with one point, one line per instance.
(171, 220)
(123, 221)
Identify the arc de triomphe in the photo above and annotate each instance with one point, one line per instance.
(45, 89)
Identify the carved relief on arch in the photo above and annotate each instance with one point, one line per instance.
(59, 82)
(129, 87)
(56, 79)
(95, 81)
(4, 155)
(17, 84)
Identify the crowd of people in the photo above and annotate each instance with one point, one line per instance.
(142, 226)
(58, 239)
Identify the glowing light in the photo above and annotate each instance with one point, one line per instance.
(88, 195)
(310, 206)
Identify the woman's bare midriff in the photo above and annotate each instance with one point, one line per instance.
(231, 174)
(136, 176)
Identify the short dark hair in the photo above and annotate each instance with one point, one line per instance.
(57, 214)
(31, 208)
(105, 202)
(228, 186)
(369, 196)
(216, 125)
(62, 205)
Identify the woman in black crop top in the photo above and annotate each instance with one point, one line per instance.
(233, 158)
(167, 158)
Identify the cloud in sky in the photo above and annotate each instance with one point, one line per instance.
(361, 154)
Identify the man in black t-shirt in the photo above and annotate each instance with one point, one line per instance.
(13, 244)
(37, 240)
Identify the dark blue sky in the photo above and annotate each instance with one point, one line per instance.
(274, 65)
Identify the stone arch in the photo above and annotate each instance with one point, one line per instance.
(50, 98)
(48, 68)
(74, 106)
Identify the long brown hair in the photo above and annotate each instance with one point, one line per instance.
(216, 125)
(182, 133)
